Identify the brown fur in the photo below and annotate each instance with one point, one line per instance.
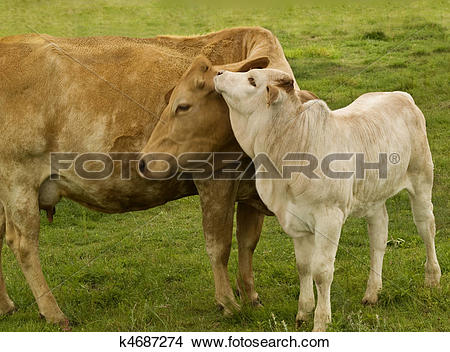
(106, 94)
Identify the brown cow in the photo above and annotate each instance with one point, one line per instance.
(104, 94)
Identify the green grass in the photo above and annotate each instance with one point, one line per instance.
(149, 270)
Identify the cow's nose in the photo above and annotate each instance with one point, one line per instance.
(220, 72)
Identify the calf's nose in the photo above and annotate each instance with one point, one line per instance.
(220, 72)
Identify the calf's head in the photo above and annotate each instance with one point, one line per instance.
(254, 90)
(254, 98)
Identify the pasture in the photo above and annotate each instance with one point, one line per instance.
(149, 270)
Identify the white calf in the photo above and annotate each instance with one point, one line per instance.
(267, 116)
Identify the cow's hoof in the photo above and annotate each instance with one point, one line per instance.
(230, 309)
(7, 308)
(62, 322)
(9, 311)
(251, 298)
(257, 303)
(227, 313)
(65, 325)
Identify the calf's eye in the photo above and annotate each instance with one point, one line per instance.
(182, 108)
(252, 81)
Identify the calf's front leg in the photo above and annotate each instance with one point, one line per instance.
(304, 250)
(326, 238)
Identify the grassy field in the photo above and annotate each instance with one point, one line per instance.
(149, 270)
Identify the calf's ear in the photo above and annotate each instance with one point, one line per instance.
(248, 64)
(273, 90)
(306, 95)
(273, 94)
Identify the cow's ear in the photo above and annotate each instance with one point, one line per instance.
(168, 95)
(258, 62)
(247, 65)
(273, 94)
(202, 63)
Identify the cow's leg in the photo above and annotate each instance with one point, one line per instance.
(422, 210)
(377, 227)
(22, 236)
(248, 231)
(304, 249)
(217, 200)
(6, 305)
(326, 238)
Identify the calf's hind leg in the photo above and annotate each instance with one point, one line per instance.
(22, 235)
(6, 305)
(422, 210)
(377, 228)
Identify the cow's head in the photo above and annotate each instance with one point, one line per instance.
(196, 117)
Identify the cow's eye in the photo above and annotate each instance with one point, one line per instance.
(183, 108)
(252, 81)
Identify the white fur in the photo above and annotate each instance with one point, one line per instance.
(312, 211)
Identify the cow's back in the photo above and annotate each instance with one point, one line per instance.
(103, 93)
(98, 94)
(60, 94)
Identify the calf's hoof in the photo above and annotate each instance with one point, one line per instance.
(299, 323)
(370, 299)
(432, 283)
(301, 318)
(432, 280)
(432, 275)
(320, 328)
(321, 322)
